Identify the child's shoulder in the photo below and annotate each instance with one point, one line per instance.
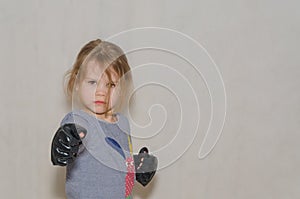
(77, 117)
(123, 123)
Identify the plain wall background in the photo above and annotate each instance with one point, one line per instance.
(255, 45)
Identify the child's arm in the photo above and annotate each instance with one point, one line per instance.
(65, 144)
(145, 166)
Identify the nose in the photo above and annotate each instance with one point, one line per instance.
(101, 89)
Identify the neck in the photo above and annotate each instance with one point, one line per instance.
(108, 118)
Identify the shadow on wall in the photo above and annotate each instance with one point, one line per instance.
(140, 192)
(59, 182)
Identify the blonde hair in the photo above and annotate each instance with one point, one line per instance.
(112, 57)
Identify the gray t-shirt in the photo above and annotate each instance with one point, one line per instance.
(104, 167)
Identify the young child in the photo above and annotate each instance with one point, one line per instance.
(94, 139)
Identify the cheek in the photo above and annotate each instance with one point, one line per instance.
(87, 92)
(115, 96)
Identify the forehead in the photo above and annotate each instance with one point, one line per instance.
(95, 69)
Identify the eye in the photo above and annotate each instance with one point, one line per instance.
(111, 85)
(92, 82)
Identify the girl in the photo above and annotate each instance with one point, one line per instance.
(94, 139)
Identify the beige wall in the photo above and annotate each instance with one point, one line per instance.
(254, 44)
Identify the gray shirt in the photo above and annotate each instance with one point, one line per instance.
(104, 167)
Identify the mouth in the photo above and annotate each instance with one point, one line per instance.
(99, 102)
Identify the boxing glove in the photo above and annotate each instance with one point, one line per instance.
(145, 166)
(65, 144)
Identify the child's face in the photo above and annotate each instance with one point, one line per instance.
(96, 91)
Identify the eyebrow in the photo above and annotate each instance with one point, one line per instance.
(92, 78)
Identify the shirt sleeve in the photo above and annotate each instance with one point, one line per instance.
(73, 118)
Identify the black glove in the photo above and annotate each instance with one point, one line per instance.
(65, 144)
(145, 166)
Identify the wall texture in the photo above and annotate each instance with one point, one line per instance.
(254, 44)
